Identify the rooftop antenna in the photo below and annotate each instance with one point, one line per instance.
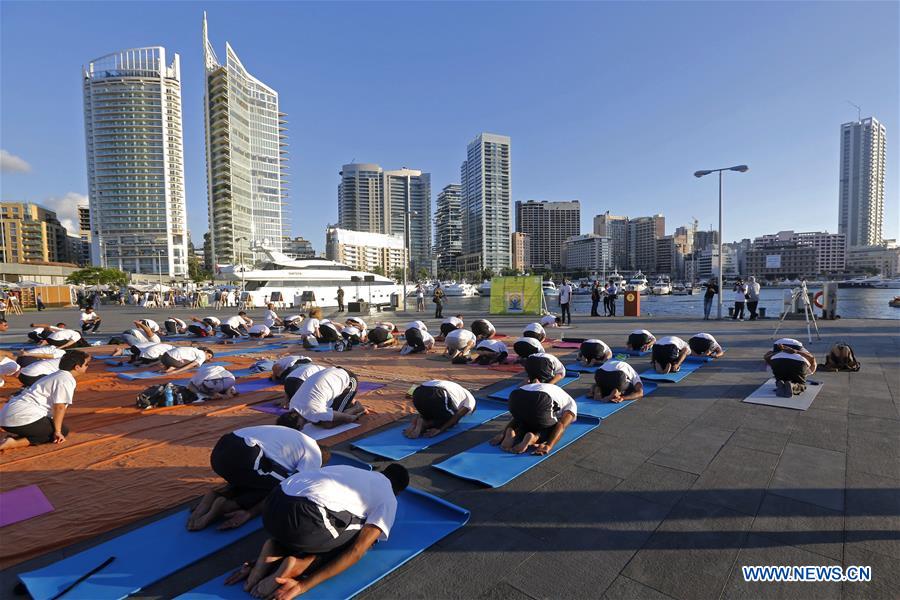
(858, 110)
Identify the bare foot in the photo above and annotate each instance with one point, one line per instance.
(527, 440)
(509, 440)
(266, 587)
(240, 574)
(202, 520)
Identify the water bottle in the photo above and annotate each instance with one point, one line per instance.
(170, 396)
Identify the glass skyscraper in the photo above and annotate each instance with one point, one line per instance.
(245, 155)
(486, 190)
(135, 162)
(861, 208)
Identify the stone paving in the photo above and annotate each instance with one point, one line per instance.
(670, 497)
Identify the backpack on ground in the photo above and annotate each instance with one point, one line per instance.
(841, 358)
(158, 395)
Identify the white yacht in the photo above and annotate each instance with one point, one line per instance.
(662, 287)
(680, 289)
(485, 288)
(638, 283)
(308, 281)
(618, 280)
(461, 289)
(550, 288)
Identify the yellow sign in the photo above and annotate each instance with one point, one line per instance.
(516, 295)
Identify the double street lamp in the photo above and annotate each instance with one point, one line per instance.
(739, 169)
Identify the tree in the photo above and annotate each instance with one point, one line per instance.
(196, 271)
(422, 274)
(98, 275)
(509, 272)
(378, 270)
(486, 274)
(397, 273)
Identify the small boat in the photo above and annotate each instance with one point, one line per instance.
(485, 288)
(662, 287)
(638, 283)
(680, 289)
(895, 303)
(462, 289)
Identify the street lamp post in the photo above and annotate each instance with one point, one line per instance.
(241, 260)
(739, 169)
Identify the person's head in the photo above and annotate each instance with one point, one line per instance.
(524, 347)
(751, 279)
(4, 326)
(61, 325)
(270, 306)
(74, 361)
(89, 309)
(209, 353)
(664, 357)
(591, 351)
(539, 369)
(415, 340)
(700, 345)
(242, 313)
(398, 476)
(291, 419)
(315, 313)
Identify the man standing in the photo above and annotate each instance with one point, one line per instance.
(438, 299)
(40, 303)
(752, 296)
(740, 297)
(565, 298)
(611, 293)
(340, 299)
(712, 288)
(595, 299)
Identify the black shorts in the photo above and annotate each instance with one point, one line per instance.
(534, 334)
(291, 385)
(433, 404)
(345, 398)
(524, 349)
(608, 381)
(489, 357)
(415, 339)
(328, 333)
(789, 369)
(636, 341)
(198, 330)
(169, 361)
(482, 328)
(24, 361)
(591, 351)
(379, 335)
(303, 527)
(229, 332)
(699, 345)
(38, 432)
(665, 354)
(28, 380)
(34, 336)
(353, 340)
(171, 327)
(249, 473)
(447, 328)
(532, 411)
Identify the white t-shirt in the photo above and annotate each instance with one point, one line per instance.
(236, 322)
(536, 328)
(209, 373)
(41, 367)
(36, 402)
(270, 318)
(789, 342)
(631, 376)
(178, 322)
(304, 371)
(188, 354)
(643, 332)
(548, 320)
(214, 321)
(671, 340)
(416, 325)
(565, 293)
(153, 325)
(292, 449)
(455, 321)
(365, 494)
(153, 351)
(292, 319)
(558, 367)
(493, 345)
(531, 342)
(780, 355)
(65, 335)
(460, 397)
(313, 399)
(706, 336)
(561, 400)
(603, 347)
(7, 367)
(89, 316)
(286, 361)
(260, 329)
(459, 338)
(46, 352)
(351, 330)
(358, 322)
(309, 326)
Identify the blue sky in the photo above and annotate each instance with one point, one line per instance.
(614, 104)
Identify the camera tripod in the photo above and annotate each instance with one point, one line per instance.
(802, 294)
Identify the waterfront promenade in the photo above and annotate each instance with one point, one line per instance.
(666, 499)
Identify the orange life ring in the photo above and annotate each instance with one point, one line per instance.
(818, 295)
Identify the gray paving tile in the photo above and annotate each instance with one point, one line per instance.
(821, 429)
(503, 591)
(873, 453)
(692, 449)
(806, 526)
(887, 428)
(624, 588)
(737, 478)
(811, 475)
(759, 439)
(691, 554)
(762, 551)
(658, 484)
(873, 513)
(885, 583)
(612, 455)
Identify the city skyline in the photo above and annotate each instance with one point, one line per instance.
(797, 173)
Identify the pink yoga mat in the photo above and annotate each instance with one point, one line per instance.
(23, 503)
(566, 345)
(274, 409)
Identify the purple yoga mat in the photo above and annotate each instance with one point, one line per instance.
(274, 409)
(23, 503)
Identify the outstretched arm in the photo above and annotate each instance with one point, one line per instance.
(450, 422)
(557, 432)
(186, 367)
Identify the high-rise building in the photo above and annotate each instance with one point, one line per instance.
(389, 202)
(549, 224)
(781, 260)
(31, 233)
(616, 229)
(84, 232)
(135, 162)
(666, 256)
(520, 245)
(245, 158)
(486, 188)
(588, 252)
(365, 251)
(861, 209)
(298, 247)
(831, 248)
(704, 240)
(448, 227)
(642, 235)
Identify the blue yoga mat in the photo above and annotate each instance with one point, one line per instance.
(687, 367)
(493, 467)
(251, 349)
(154, 374)
(630, 352)
(505, 392)
(394, 445)
(699, 359)
(580, 368)
(601, 410)
(255, 385)
(422, 520)
(131, 570)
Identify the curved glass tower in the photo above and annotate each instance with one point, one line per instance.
(135, 162)
(245, 154)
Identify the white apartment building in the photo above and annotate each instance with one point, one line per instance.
(245, 158)
(616, 229)
(831, 248)
(135, 162)
(486, 188)
(365, 251)
(861, 191)
(588, 252)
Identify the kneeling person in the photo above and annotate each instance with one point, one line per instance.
(668, 354)
(593, 352)
(382, 335)
(540, 414)
(253, 461)
(440, 405)
(526, 346)
(704, 344)
(491, 352)
(544, 368)
(616, 381)
(326, 399)
(417, 340)
(483, 329)
(640, 340)
(791, 363)
(450, 324)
